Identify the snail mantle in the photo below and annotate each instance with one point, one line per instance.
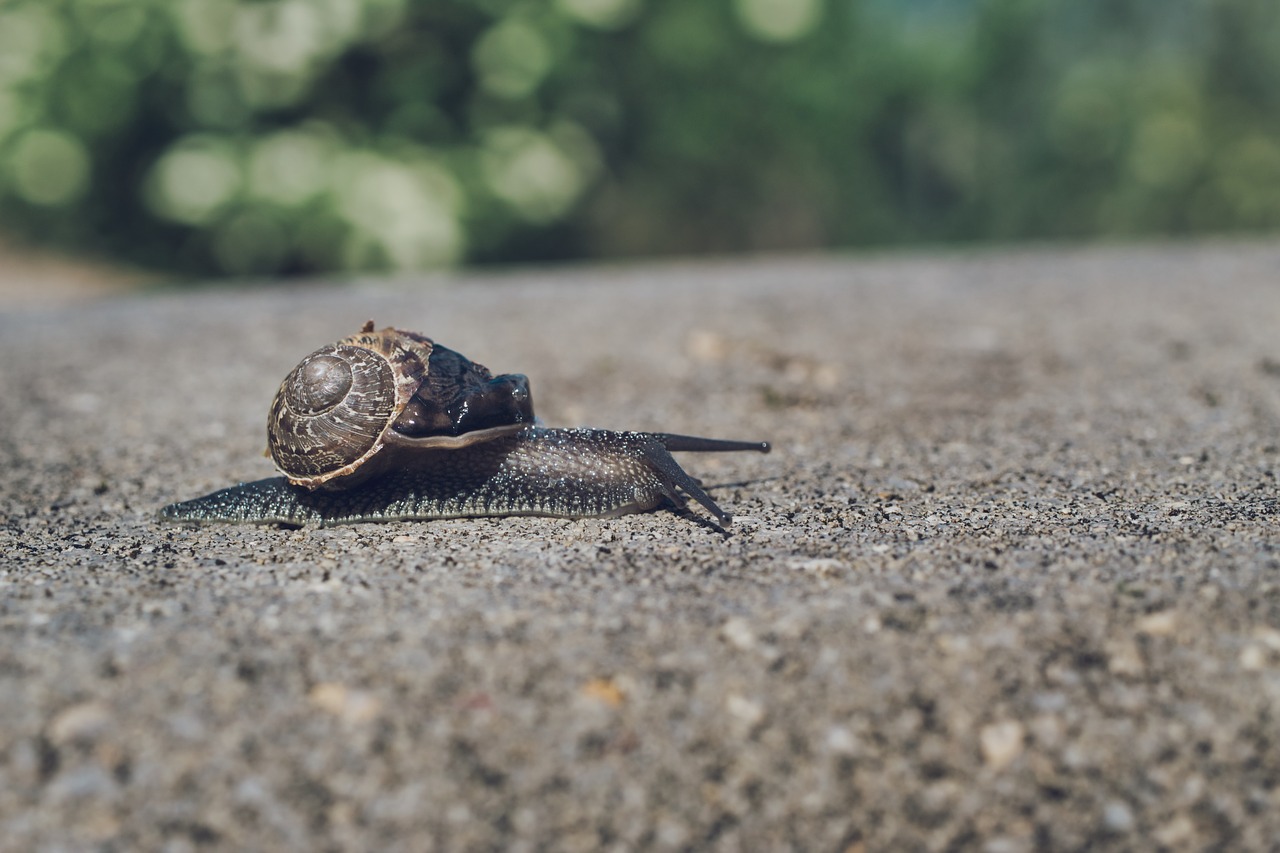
(388, 425)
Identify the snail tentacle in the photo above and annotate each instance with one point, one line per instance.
(658, 454)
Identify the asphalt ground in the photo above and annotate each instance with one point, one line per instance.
(1009, 580)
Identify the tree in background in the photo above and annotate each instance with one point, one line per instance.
(283, 136)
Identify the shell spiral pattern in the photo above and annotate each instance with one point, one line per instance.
(333, 410)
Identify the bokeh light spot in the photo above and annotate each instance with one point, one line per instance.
(31, 38)
(49, 167)
(602, 14)
(339, 21)
(778, 20)
(511, 59)
(282, 37)
(288, 168)
(402, 216)
(205, 25)
(529, 171)
(194, 181)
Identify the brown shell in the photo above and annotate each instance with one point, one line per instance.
(334, 410)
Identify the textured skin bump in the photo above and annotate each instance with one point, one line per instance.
(569, 473)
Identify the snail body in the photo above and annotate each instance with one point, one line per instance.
(388, 425)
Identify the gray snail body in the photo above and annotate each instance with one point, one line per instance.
(388, 425)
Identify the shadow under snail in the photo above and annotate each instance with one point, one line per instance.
(390, 426)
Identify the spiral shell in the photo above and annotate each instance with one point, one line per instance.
(335, 409)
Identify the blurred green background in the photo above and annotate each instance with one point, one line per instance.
(251, 137)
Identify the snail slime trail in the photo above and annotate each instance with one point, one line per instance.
(390, 426)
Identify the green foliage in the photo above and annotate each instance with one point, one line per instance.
(276, 136)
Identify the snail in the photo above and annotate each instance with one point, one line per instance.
(388, 425)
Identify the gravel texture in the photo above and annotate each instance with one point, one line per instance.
(1009, 580)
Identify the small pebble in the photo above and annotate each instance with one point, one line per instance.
(1005, 844)
(1269, 637)
(82, 722)
(352, 706)
(1160, 624)
(1001, 743)
(603, 690)
(706, 346)
(1117, 817)
(744, 710)
(1253, 658)
(738, 634)
(841, 741)
(1125, 659)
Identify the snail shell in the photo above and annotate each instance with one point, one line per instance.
(388, 425)
(343, 412)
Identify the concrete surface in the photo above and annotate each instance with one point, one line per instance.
(1008, 582)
